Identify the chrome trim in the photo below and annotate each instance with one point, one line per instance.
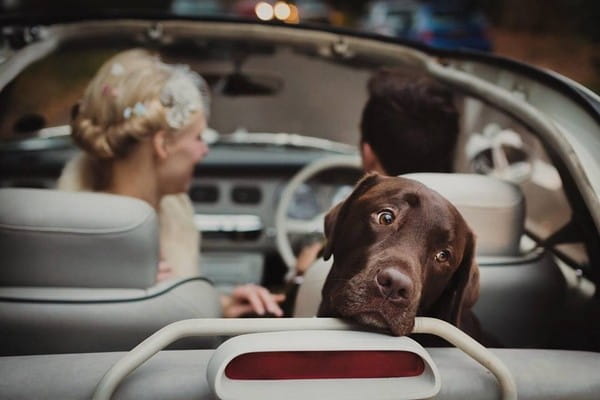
(285, 139)
(228, 222)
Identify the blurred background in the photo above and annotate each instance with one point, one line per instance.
(561, 35)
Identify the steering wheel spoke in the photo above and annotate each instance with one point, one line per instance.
(306, 226)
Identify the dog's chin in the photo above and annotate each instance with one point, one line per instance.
(373, 320)
(404, 328)
(377, 320)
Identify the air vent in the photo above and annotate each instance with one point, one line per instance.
(246, 195)
(204, 194)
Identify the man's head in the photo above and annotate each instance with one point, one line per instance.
(409, 124)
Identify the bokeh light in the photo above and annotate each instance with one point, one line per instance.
(264, 11)
(282, 10)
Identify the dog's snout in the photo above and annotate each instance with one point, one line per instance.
(393, 284)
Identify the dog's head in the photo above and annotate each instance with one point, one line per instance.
(400, 250)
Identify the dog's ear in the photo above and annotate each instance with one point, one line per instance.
(330, 221)
(462, 291)
(339, 212)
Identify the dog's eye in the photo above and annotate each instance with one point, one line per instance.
(442, 256)
(385, 217)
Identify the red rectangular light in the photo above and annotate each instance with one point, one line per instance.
(281, 365)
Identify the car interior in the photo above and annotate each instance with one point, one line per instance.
(77, 289)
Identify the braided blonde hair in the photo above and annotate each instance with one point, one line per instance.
(132, 96)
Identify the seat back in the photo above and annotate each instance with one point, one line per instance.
(516, 288)
(494, 209)
(76, 239)
(79, 271)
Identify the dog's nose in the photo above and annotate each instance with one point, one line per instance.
(393, 284)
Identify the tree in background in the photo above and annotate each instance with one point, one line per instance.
(577, 17)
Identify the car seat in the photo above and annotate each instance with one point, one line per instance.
(79, 272)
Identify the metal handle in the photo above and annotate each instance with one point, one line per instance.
(230, 327)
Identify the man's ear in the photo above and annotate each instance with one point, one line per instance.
(370, 161)
(160, 144)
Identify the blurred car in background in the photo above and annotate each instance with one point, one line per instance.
(392, 18)
(442, 24)
(451, 25)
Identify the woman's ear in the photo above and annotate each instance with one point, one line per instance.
(160, 144)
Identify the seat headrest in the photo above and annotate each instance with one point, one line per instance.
(76, 239)
(494, 209)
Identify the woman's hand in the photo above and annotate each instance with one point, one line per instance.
(251, 298)
(164, 271)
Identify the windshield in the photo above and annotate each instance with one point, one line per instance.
(256, 89)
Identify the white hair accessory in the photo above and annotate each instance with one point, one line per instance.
(138, 110)
(117, 69)
(184, 93)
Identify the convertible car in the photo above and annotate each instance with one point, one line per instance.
(81, 315)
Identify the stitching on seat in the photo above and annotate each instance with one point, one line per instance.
(94, 231)
(105, 301)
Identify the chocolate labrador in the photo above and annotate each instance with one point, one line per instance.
(400, 250)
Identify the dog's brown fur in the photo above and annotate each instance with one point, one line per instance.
(384, 275)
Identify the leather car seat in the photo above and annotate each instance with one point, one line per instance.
(78, 275)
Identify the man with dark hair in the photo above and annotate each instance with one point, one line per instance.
(409, 124)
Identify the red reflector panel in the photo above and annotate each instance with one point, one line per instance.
(279, 365)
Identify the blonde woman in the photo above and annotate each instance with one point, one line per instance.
(140, 125)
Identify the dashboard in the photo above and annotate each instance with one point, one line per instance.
(235, 207)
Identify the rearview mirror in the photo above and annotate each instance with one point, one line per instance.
(245, 84)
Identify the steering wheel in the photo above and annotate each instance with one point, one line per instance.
(285, 225)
